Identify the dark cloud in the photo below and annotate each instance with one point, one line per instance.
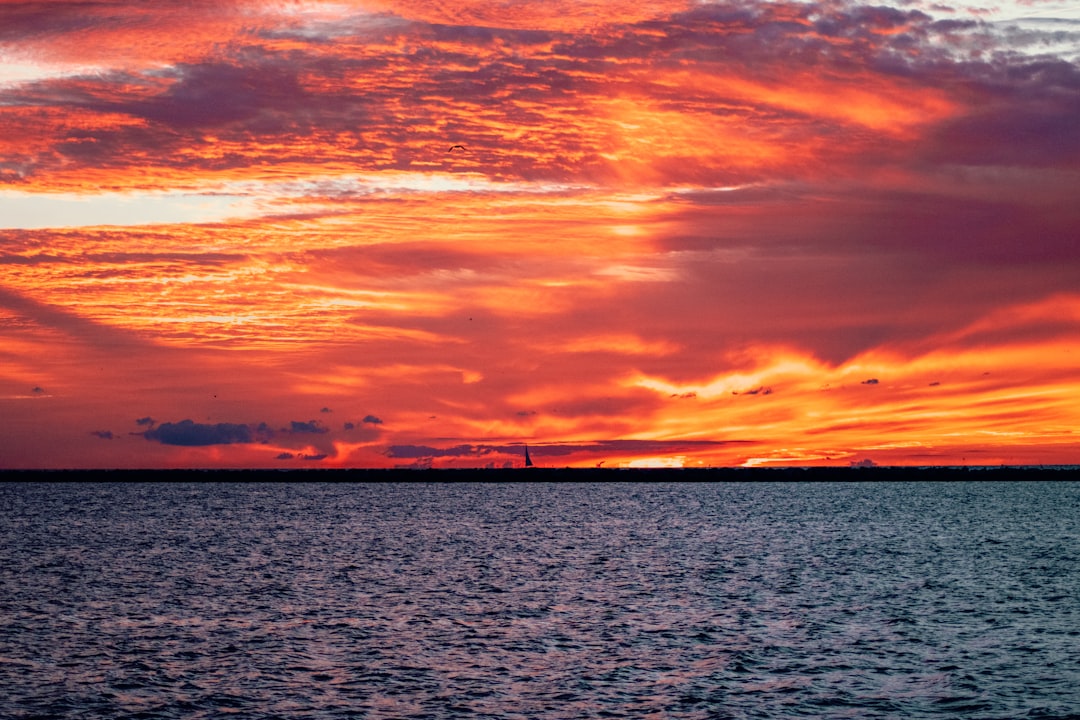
(755, 37)
(257, 93)
(31, 21)
(212, 94)
(319, 456)
(36, 259)
(243, 99)
(284, 456)
(21, 21)
(326, 410)
(190, 433)
(311, 426)
(871, 381)
(103, 434)
(371, 420)
(425, 451)
(1026, 115)
(38, 390)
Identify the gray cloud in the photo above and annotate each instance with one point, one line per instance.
(311, 426)
(190, 433)
(21, 21)
(212, 94)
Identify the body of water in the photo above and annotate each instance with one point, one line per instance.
(640, 600)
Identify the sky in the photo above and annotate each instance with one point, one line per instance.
(676, 233)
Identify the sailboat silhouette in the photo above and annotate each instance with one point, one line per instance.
(528, 460)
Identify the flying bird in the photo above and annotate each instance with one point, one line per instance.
(455, 147)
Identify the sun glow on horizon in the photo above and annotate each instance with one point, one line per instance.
(657, 462)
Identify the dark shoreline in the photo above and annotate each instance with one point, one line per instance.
(786, 474)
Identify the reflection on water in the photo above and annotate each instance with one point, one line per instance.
(736, 600)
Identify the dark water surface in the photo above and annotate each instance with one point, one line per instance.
(699, 600)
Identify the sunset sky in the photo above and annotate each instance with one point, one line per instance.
(678, 233)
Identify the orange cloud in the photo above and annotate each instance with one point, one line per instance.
(674, 233)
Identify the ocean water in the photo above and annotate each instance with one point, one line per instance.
(641, 600)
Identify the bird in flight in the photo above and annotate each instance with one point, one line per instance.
(456, 147)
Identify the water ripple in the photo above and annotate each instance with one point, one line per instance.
(160, 601)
